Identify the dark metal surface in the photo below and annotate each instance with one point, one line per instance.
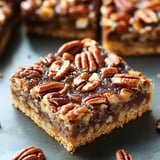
(138, 137)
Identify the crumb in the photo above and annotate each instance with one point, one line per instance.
(1, 75)
(29, 56)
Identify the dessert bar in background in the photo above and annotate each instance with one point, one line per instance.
(61, 18)
(131, 27)
(80, 93)
(9, 10)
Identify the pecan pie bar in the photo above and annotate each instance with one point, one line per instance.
(61, 18)
(131, 27)
(80, 93)
(8, 20)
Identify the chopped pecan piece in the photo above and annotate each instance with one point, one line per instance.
(59, 69)
(109, 72)
(48, 87)
(31, 72)
(112, 60)
(73, 47)
(112, 98)
(84, 83)
(73, 112)
(126, 94)
(30, 153)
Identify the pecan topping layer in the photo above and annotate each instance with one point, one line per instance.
(30, 153)
(125, 16)
(83, 82)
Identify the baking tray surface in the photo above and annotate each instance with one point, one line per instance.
(138, 137)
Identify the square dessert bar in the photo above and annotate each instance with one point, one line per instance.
(61, 18)
(80, 93)
(131, 27)
(8, 20)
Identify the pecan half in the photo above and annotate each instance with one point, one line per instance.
(48, 87)
(88, 61)
(124, 5)
(123, 155)
(48, 60)
(30, 153)
(109, 72)
(95, 99)
(127, 80)
(85, 83)
(93, 47)
(31, 72)
(73, 47)
(56, 98)
(73, 112)
(59, 69)
(52, 101)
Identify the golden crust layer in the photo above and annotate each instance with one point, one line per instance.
(61, 33)
(135, 49)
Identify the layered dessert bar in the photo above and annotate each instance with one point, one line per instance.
(61, 18)
(80, 93)
(131, 27)
(8, 20)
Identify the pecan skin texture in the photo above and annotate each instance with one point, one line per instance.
(73, 47)
(58, 99)
(30, 153)
(31, 72)
(123, 155)
(48, 60)
(45, 88)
